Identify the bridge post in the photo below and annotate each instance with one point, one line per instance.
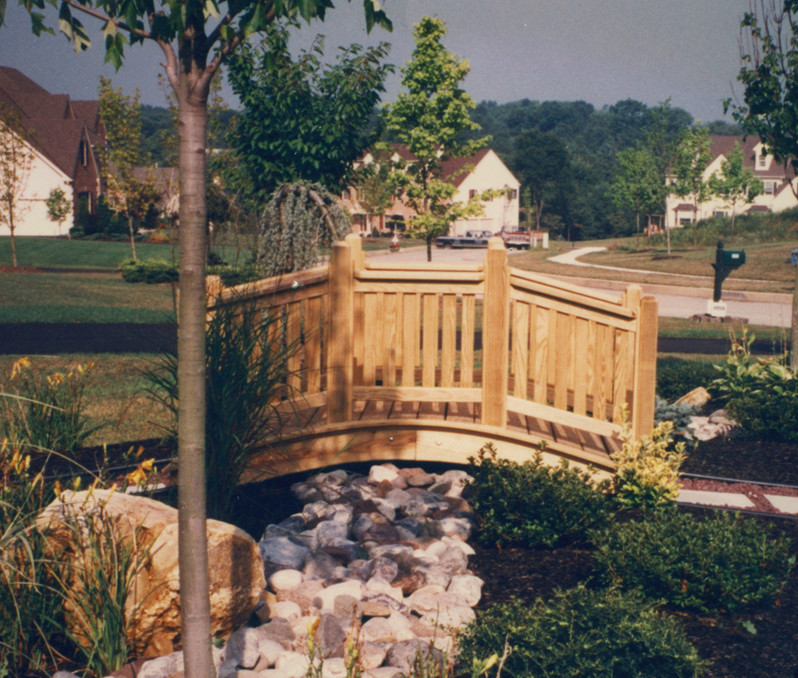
(340, 329)
(495, 331)
(645, 379)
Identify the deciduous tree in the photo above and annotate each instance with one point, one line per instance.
(736, 184)
(769, 74)
(638, 185)
(58, 207)
(302, 119)
(690, 162)
(16, 162)
(130, 189)
(430, 117)
(195, 36)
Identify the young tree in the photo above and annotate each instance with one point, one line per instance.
(195, 37)
(373, 184)
(769, 74)
(691, 159)
(58, 207)
(430, 117)
(735, 184)
(129, 189)
(273, 144)
(638, 185)
(16, 161)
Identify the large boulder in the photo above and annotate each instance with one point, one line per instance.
(152, 606)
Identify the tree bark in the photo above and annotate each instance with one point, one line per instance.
(193, 553)
(132, 238)
(794, 327)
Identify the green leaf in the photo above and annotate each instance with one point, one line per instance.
(748, 625)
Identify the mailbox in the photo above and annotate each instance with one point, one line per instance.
(725, 262)
(733, 258)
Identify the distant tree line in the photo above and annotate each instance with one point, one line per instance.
(566, 154)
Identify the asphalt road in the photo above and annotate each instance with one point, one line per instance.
(674, 301)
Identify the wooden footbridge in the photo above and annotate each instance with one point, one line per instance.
(427, 362)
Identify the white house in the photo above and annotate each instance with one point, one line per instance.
(62, 136)
(777, 196)
(471, 176)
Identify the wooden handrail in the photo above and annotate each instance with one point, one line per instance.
(398, 332)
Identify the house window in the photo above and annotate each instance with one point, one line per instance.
(770, 187)
(84, 153)
(86, 198)
(513, 194)
(719, 213)
(473, 193)
(762, 160)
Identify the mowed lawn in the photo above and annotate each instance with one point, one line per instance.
(82, 298)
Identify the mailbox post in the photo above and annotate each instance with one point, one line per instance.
(725, 262)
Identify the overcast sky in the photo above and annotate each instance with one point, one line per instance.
(600, 51)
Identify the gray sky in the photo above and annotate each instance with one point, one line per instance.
(598, 51)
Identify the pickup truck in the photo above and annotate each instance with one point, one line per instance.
(515, 236)
(470, 239)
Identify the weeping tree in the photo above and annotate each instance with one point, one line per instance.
(299, 220)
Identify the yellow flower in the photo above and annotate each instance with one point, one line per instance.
(19, 365)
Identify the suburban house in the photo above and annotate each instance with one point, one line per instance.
(62, 135)
(776, 197)
(471, 175)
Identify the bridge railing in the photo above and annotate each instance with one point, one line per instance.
(480, 336)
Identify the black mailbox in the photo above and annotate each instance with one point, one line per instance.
(725, 262)
(733, 258)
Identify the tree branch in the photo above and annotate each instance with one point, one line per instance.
(108, 19)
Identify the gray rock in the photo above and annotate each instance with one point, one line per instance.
(328, 531)
(330, 636)
(319, 565)
(404, 653)
(468, 587)
(293, 664)
(291, 525)
(242, 647)
(282, 553)
(382, 567)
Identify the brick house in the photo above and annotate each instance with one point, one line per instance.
(63, 135)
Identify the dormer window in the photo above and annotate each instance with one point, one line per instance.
(762, 160)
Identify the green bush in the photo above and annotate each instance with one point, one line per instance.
(725, 562)
(761, 394)
(246, 377)
(677, 377)
(581, 634)
(151, 271)
(532, 503)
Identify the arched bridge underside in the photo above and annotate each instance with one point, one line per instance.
(414, 431)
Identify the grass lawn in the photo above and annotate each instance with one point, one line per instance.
(82, 298)
(89, 254)
(767, 267)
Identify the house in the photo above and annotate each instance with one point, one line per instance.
(62, 135)
(776, 197)
(470, 175)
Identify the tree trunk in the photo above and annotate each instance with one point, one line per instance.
(429, 248)
(11, 227)
(132, 239)
(193, 552)
(794, 330)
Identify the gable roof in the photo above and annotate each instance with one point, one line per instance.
(724, 145)
(54, 124)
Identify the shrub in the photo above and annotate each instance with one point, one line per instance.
(721, 563)
(245, 376)
(677, 377)
(581, 634)
(648, 468)
(532, 503)
(761, 393)
(44, 412)
(151, 271)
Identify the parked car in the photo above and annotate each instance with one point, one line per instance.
(515, 236)
(470, 239)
